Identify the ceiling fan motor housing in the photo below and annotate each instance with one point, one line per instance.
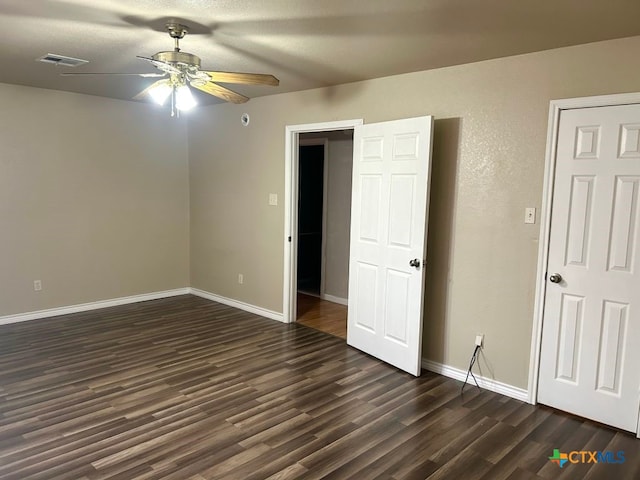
(178, 58)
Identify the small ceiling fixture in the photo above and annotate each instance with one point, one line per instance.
(180, 70)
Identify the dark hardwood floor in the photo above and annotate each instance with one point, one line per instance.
(185, 388)
(328, 317)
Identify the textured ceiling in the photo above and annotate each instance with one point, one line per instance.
(305, 43)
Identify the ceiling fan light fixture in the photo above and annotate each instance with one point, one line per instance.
(184, 98)
(178, 70)
(160, 92)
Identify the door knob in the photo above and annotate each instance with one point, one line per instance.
(555, 278)
(414, 263)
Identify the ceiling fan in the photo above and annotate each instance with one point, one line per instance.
(179, 70)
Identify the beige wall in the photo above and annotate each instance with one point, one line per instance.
(489, 147)
(93, 199)
(338, 218)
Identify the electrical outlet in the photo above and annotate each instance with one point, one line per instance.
(530, 215)
(240, 278)
(479, 340)
(37, 285)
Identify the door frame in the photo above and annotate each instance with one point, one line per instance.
(292, 134)
(555, 108)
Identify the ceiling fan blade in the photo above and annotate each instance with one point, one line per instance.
(145, 75)
(243, 78)
(164, 66)
(143, 94)
(220, 91)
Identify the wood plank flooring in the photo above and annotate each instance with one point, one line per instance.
(184, 388)
(328, 317)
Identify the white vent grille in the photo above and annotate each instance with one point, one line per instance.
(61, 60)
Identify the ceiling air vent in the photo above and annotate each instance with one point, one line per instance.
(61, 60)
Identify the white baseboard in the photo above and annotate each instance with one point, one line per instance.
(484, 382)
(334, 299)
(238, 304)
(84, 307)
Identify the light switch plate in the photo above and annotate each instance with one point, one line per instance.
(273, 199)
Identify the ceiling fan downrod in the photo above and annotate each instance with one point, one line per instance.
(177, 32)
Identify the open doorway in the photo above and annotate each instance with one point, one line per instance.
(321, 244)
(313, 166)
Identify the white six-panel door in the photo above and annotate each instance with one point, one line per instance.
(391, 169)
(590, 356)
